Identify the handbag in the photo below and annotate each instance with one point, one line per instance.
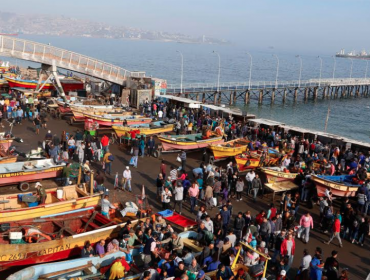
(178, 159)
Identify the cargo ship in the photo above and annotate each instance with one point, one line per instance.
(353, 54)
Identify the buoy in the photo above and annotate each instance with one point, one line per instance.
(117, 271)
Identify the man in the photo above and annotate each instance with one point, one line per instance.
(208, 197)
(99, 249)
(208, 223)
(163, 169)
(104, 142)
(232, 237)
(99, 179)
(249, 178)
(226, 217)
(149, 250)
(175, 243)
(41, 193)
(179, 196)
(202, 276)
(265, 230)
(193, 194)
(37, 123)
(194, 267)
(133, 238)
(336, 232)
(288, 248)
(173, 174)
(256, 185)
(224, 273)
(126, 177)
(306, 223)
(208, 251)
(151, 146)
(105, 206)
(305, 264)
(332, 261)
(107, 160)
(183, 160)
(66, 173)
(179, 270)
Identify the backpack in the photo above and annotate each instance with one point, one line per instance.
(111, 157)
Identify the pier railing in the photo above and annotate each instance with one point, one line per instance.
(47, 54)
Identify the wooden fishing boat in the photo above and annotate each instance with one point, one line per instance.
(8, 159)
(144, 128)
(5, 143)
(110, 120)
(343, 185)
(188, 141)
(276, 174)
(70, 268)
(252, 160)
(78, 111)
(18, 172)
(53, 237)
(29, 84)
(229, 149)
(17, 207)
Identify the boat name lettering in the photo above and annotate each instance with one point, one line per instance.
(15, 174)
(13, 257)
(54, 250)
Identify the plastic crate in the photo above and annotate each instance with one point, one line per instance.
(166, 213)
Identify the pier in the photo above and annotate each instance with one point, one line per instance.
(271, 92)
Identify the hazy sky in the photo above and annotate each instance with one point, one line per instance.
(315, 26)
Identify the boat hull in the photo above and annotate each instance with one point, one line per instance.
(122, 131)
(222, 151)
(24, 176)
(337, 189)
(278, 176)
(8, 159)
(169, 144)
(27, 84)
(5, 144)
(244, 164)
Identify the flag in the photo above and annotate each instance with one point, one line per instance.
(116, 181)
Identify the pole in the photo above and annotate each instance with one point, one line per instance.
(335, 63)
(320, 70)
(182, 70)
(219, 70)
(250, 70)
(350, 72)
(277, 70)
(327, 118)
(367, 66)
(92, 183)
(300, 70)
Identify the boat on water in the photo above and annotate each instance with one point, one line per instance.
(342, 185)
(277, 174)
(110, 120)
(34, 170)
(254, 159)
(144, 128)
(229, 148)
(71, 268)
(53, 237)
(17, 207)
(188, 141)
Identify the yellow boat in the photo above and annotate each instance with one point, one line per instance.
(145, 128)
(188, 141)
(229, 149)
(275, 174)
(110, 120)
(73, 197)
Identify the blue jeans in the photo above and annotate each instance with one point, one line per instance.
(142, 151)
(134, 158)
(66, 181)
(255, 192)
(128, 183)
(108, 167)
(193, 201)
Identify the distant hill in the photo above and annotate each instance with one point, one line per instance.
(66, 26)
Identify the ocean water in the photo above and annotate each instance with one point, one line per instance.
(348, 117)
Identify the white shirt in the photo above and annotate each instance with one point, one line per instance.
(160, 114)
(306, 260)
(250, 176)
(166, 197)
(127, 174)
(208, 225)
(232, 239)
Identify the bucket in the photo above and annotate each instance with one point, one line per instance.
(60, 193)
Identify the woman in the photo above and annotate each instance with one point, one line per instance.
(239, 188)
(147, 235)
(217, 225)
(201, 215)
(166, 199)
(142, 146)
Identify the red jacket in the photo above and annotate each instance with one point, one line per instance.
(336, 225)
(104, 140)
(284, 249)
(259, 219)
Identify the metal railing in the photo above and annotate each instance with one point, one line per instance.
(198, 87)
(47, 54)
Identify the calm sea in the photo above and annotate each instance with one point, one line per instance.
(348, 117)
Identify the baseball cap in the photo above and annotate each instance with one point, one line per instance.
(283, 273)
(200, 274)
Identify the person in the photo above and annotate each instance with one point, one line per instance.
(239, 224)
(113, 246)
(194, 267)
(183, 160)
(149, 250)
(66, 173)
(332, 261)
(126, 178)
(304, 268)
(242, 275)
(41, 193)
(306, 223)
(179, 196)
(107, 161)
(193, 195)
(104, 142)
(288, 248)
(175, 243)
(142, 146)
(224, 273)
(37, 123)
(163, 169)
(87, 251)
(226, 217)
(256, 185)
(151, 146)
(166, 198)
(282, 275)
(179, 270)
(99, 248)
(105, 206)
(336, 232)
(239, 188)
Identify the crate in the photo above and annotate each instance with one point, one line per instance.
(166, 213)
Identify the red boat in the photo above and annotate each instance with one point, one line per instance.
(53, 238)
(67, 84)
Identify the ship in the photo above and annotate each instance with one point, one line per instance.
(353, 54)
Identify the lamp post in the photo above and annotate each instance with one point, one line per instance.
(367, 66)
(300, 70)
(320, 70)
(182, 70)
(277, 70)
(350, 72)
(219, 70)
(335, 63)
(250, 70)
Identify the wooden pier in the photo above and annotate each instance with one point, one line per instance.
(271, 92)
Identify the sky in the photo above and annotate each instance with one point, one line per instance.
(323, 26)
